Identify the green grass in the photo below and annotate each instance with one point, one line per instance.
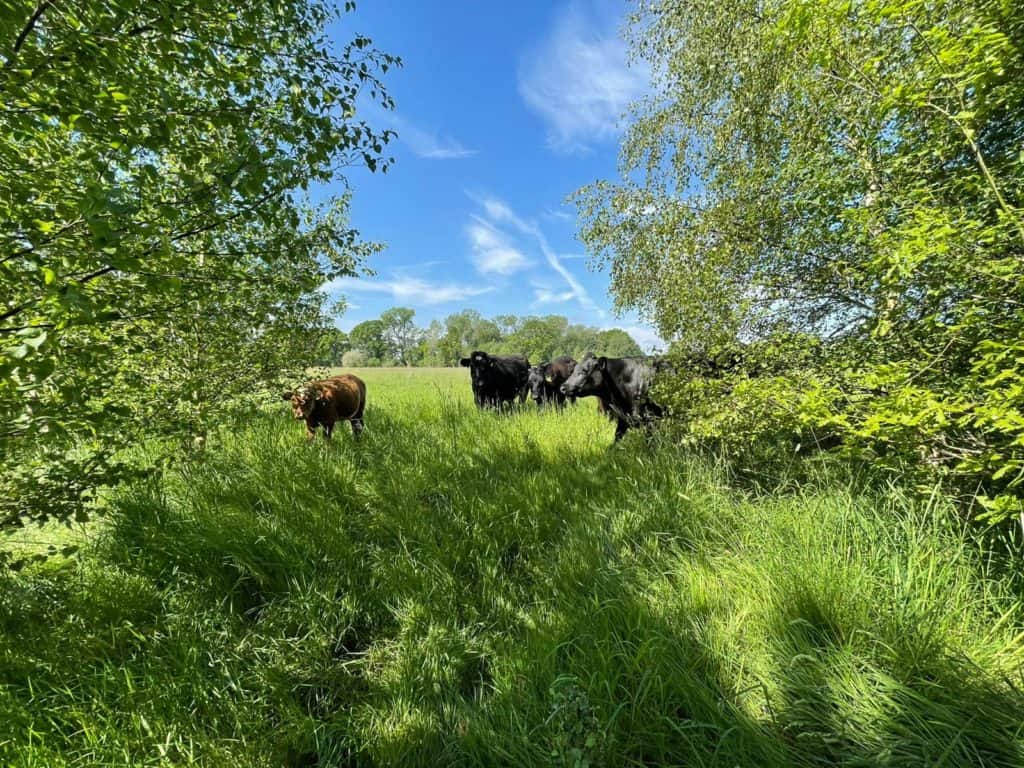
(476, 589)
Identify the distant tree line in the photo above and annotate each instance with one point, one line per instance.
(395, 339)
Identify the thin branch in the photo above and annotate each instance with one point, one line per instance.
(40, 10)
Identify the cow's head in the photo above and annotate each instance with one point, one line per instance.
(587, 377)
(303, 399)
(477, 362)
(537, 380)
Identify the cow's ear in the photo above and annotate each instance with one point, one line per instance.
(287, 395)
(464, 362)
(602, 363)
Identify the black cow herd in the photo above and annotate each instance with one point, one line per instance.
(620, 384)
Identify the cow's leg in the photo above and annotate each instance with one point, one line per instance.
(620, 429)
(357, 421)
(328, 429)
(310, 430)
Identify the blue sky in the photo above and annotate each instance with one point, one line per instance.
(503, 110)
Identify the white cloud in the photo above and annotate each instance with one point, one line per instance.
(430, 145)
(555, 215)
(499, 211)
(548, 296)
(409, 289)
(492, 250)
(578, 79)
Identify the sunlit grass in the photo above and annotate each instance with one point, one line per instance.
(471, 588)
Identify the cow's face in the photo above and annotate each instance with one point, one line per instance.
(303, 400)
(478, 363)
(586, 378)
(536, 381)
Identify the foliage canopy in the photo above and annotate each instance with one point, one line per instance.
(153, 158)
(849, 169)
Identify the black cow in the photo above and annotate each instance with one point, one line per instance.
(622, 383)
(546, 381)
(497, 379)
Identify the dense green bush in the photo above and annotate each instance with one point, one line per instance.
(850, 170)
(158, 258)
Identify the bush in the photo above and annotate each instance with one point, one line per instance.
(849, 170)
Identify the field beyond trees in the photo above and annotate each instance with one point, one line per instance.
(466, 588)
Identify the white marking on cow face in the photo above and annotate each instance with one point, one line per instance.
(303, 401)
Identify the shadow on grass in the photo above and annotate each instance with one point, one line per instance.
(437, 593)
(886, 694)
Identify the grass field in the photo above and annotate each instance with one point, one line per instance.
(464, 588)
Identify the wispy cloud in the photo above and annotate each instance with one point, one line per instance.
(547, 295)
(409, 289)
(498, 212)
(553, 214)
(434, 147)
(426, 143)
(493, 253)
(578, 78)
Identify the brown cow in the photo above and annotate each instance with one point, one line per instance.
(324, 402)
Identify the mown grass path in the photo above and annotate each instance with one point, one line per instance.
(464, 588)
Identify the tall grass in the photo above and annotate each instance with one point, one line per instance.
(476, 589)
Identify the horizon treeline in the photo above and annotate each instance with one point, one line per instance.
(394, 339)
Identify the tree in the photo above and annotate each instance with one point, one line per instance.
(507, 324)
(368, 338)
(430, 345)
(401, 334)
(579, 339)
(153, 157)
(850, 171)
(330, 346)
(466, 331)
(616, 343)
(354, 358)
(539, 338)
